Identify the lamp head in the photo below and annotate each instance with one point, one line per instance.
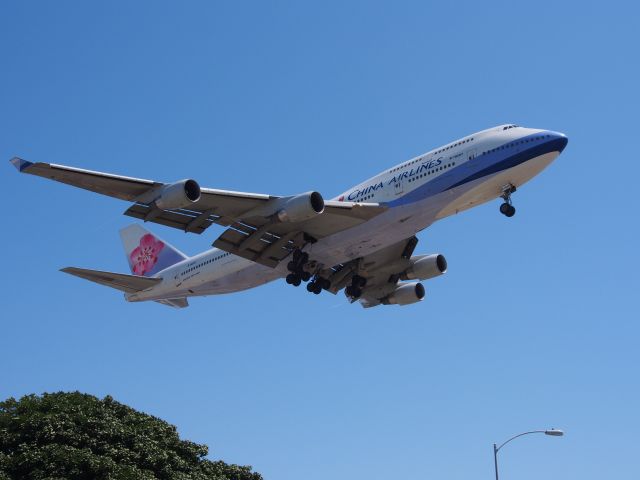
(554, 433)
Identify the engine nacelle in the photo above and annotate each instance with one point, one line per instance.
(301, 207)
(424, 268)
(406, 294)
(178, 195)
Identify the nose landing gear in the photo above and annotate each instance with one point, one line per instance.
(507, 209)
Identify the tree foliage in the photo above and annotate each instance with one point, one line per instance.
(78, 436)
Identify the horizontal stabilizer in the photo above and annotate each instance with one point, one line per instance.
(119, 281)
(181, 302)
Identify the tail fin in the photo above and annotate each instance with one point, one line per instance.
(146, 253)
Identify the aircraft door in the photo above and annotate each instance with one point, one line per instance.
(471, 154)
(398, 187)
(469, 157)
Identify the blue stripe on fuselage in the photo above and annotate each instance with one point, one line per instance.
(495, 160)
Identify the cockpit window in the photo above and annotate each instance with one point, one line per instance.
(509, 126)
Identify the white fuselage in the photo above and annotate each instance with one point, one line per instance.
(460, 175)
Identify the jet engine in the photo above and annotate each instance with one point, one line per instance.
(178, 195)
(425, 267)
(406, 294)
(301, 207)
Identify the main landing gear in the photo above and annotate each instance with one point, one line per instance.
(507, 209)
(357, 284)
(296, 267)
(318, 284)
(299, 274)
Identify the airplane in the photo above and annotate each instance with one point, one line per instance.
(362, 241)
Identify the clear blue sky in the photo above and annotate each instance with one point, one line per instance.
(536, 324)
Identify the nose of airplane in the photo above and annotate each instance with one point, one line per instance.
(558, 141)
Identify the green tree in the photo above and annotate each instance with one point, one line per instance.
(78, 436)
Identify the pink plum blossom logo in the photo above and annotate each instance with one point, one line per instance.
(145, 256)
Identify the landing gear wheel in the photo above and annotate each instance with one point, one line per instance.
(326, 284)
(507, 210)
(296, 281)
(305, 276)
(353, 292)
(511, 211)
(314, 287)
(291, 278)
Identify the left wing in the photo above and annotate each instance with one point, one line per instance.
(257, 229)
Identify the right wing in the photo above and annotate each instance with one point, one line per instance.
(253, 231)
(381, 269)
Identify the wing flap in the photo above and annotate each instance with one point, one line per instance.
(119, 281)
(188, 220)
(259, 245)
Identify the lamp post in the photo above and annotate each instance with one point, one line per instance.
(496, 449)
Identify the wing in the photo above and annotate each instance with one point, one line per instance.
(381, 269)
(253, 232)
(144, 193)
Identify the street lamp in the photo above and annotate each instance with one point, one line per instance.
(553, 432)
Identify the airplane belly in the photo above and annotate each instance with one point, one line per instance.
(489, 188)
(253, 275)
